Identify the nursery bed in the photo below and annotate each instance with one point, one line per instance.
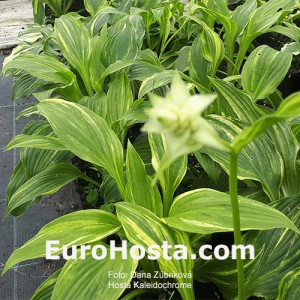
(22, 281)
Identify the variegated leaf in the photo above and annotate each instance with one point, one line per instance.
(35, 141)
(85, 134)
(91, 279)
(263, 71)
(48, 69)
(139, 189)
(206, 54)
(75, 44)
(45, 290)
(258, 160)
(289, 286)
(77, 228)
(93, 6)
(207, 211)
(144, 228)
(277, 254)
(47, 182)
(171, 176)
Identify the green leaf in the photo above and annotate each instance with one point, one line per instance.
(117, 66)
(207, 52)
(97, 22)
(93, 6)
(290, 107)
(48, 69)
(96, 67)
(139, 189)
(19, 51)
(96, 103)
(142, 227)
(287, 29)
(212, 49)
(296, 131)
(124, 41)
(258, 160)
(35, 34)
(43, 67)
(219, 6)
(242, 14)
(229, 24)
(92, 197)
(142, 147)
(77, 228)
(277, 254)
(74, 42)
(45, 183)
(264, 70)
(119, 101)
(260, 21)
(37, 160)
(18, 178)
(37, 127)
(38, 11)
(210, 167)
(137, 113)
(292, 48)
(155, 81)
(33, 161)
(85, 134)
(265, 16)
(40, 96)
(181, 63)
(207, 211)
(59, 7)
(234, 103)
(288, 147)
(147, 65)
(45, 290)
(255, 193)
(109, 189)
(35, 141)
(171, 176)
(289, 286)
(25, 85)
(89, 278)
(165, 24)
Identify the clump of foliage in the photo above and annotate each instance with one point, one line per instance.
(222, 131)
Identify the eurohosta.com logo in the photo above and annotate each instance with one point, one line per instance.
(152, 252)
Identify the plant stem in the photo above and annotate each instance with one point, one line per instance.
(230, 52)
(87, 178)
(148, 34)
(233, 68)
(119, 178)
(236, 221)
(135, 293)
(87, 82)
(164, 45)
(56, 9)
(245, 43)
(199, 87)
(167, 200)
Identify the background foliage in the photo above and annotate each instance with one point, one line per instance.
(91, 72)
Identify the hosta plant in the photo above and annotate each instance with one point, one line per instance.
(218, 151)
(58, 7)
